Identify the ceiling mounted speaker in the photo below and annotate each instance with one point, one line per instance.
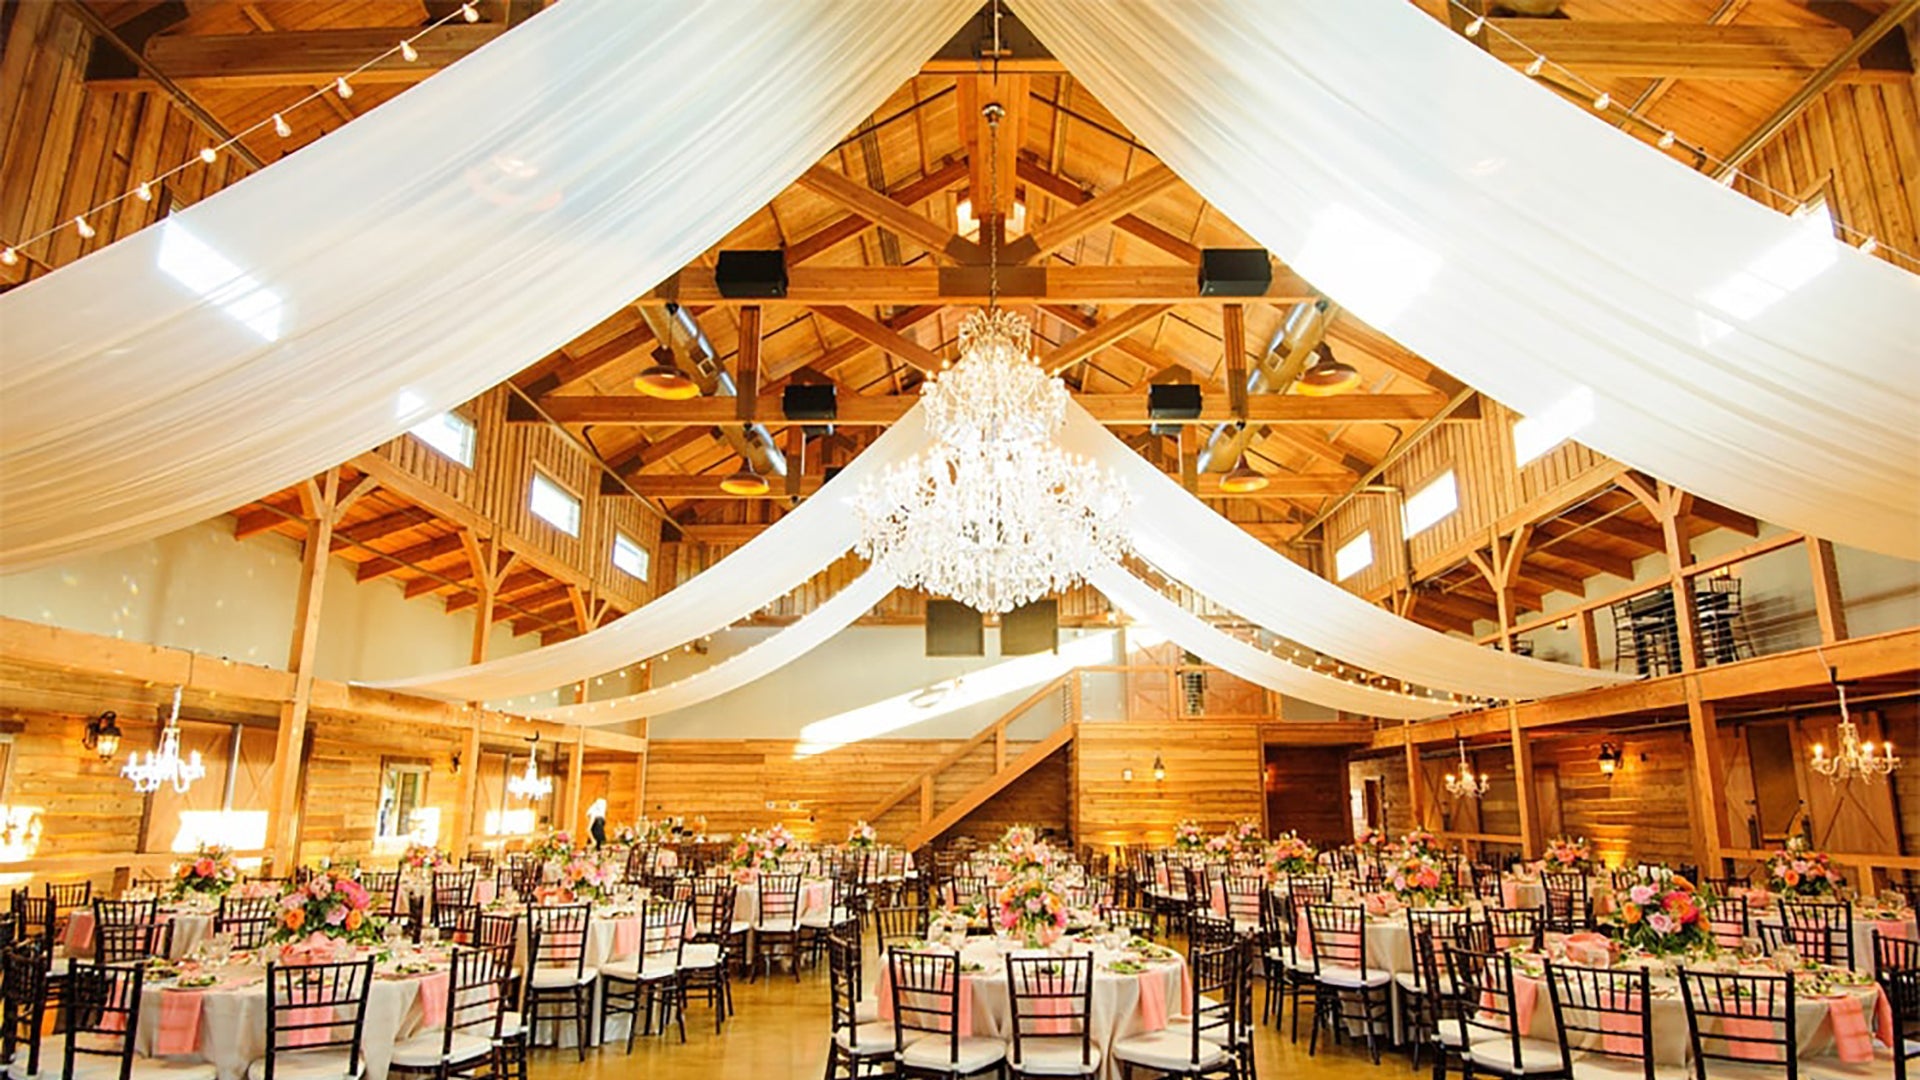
(815, 403)
(1172, 402)
(751, 275)
(1235, 272)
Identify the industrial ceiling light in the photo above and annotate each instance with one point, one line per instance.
(1609, 758)
(103, 735)
(745, 482)
(1327, 376)
(663, 380)
(1243, 478)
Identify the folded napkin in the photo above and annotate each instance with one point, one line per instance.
(1851, 1040)
(433, 998)
(179, 1023)
(1621, 1030)
(1589, 949)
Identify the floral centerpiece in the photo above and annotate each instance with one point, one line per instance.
(861, 836)
(1566, 855)
(1421, 841)
(1288, 854)
(1189, 836)
(1020, 853)
(1223, 845)
(331, 905)
(1246, 832)
(588, 876)
(424, 858)
(1664, 917)
(210, 872)
(1799, 871)
(1419, 878)
(628, 833)
(1030, 907)
(556, 844)
(1371, 839)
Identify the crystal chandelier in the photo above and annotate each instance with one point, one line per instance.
(1855, 757)
(530, 785)
(165, 765)
(1464, 784)
(993, 513)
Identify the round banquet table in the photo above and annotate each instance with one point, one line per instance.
(1123, 1004)
(1813, 1024)
(746, 900)
(1531, 892)
(226, 1025)
(191, 925)
(1890, 924)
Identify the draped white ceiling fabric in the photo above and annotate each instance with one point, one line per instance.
(1197, 547)
(1533, 251)
(770, 565)
(763, 659)
(1142, 601)
(419, 255)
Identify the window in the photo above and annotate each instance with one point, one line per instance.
(554, 504)
(1353, 556)
(403, 792)
(1431, 503)
(629, 556)
(1535, 435)
(449, 433)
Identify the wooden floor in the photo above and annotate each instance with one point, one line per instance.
(779, 1029)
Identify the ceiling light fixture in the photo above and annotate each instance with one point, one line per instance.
(663, 380)
(1464, 784)
(530, 785)
(1328, 376)
(1243, 478)
(165, 765)
(1854, 758)
(745, 482)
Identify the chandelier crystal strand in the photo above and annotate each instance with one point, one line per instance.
(165, 765)
(1853, 758)
(530, 785)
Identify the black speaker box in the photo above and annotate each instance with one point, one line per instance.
(751, 275)
(804, 402)
(1233, 272)
(954, 629)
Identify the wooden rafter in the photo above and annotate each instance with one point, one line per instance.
(1095, 213)
(908, 286)
(884, 409)
(882, 210)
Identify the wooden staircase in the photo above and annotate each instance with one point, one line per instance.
(1010, 761)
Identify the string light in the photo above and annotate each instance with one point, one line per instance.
(1602, 101)
(340, 86)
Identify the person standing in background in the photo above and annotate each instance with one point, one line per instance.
(597, 822)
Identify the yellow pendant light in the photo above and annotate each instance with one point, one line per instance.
(1243, 478)
(745, 482)
(666, 381)
(1327, 377)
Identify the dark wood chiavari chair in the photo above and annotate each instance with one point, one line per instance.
(1745, 1022)
(1052, 1006)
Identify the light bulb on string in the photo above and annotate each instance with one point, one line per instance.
(1667, 139)
(281, 127)
(1603, 102)
(469, 13)
(1474, 27)
(342, 87)
(209, 155)
(86, 231)
(9, 257)
(408, 52)
(143, 191)
(1536, 66)
(1869, 245)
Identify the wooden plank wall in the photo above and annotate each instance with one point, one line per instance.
(1214, 772)
(1644, 812)
(1490, 488)
(1040, 797)
(1306, 791)
(83, 805)
(1861, 145)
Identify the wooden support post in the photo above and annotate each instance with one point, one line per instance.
(321, 501)
(926, 799)
(1827, 601)
(1531, 843)
(483, 557)
(999, 748)
(1589, 642)
(747, 363)
(1709, 778)
(1416, 780)
(575, 761)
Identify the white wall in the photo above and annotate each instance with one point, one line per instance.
(201, 589)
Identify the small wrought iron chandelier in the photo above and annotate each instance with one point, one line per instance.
(1854, 759)
(530, 785)
(1465, 784)
(165, 765)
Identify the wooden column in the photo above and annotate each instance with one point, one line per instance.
(1827, 601)
(322, 502)
(1500, 565)
(1531, 842)
(1416, 780)
(484, 558)
(1709, 778)
(575, 761)
(1589, 642)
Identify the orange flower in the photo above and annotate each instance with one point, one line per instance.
(354, 919)
(1630, 912)
(295, 918)
(1791, 877)
(1682, 883)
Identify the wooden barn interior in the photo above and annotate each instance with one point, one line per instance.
(569, 497)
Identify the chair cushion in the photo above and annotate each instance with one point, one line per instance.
(874, 1037)
(1496, 1053)
(1352, 976)
(510, 1025)
(1167, 1051)
(866, 1010)
(1055, 1055)
(739, 926)
(104, 1068)
(973, 1054)
(303, 1065)
(553, 978)
(1410, 982)
(53, 1051)
(423, 1050)
(775, 926)
(700, 956)
(1605, 1067)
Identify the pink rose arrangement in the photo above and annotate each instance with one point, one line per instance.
(1371, 839)
(1189, 836)
(329, 904)
(1565, 855)
(1247, 831)
(1798, 871)
(1030, 907)
(1288, 854)
(588, 876)
(1019, 852)
(557, 844)
(425, 857)
(861, 836)
(210, 872)
(1222, 845)
(1664, 917)
(1422, 841)
(1420, 878)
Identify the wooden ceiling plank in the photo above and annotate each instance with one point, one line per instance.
(1036, 175)
(1655, 50)
(382, 565)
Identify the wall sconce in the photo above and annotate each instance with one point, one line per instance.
(1609, 758)
(1127, 774)
(103, 735)
(456, 763)
(1159, 768)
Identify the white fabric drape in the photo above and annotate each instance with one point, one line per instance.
(419, 255)
(1142, 601)
(1213, 556)
(763, 659)
(770, 565)
(1533, 251)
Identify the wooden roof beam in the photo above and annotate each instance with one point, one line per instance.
(883, 211)
(1656, 50)
(846, 228)
(707, 486)
(880, 410)
(1095, 213)
(1073, 194)
(1088, 342)
(909, 286)
(882, 336)
(426, 551)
